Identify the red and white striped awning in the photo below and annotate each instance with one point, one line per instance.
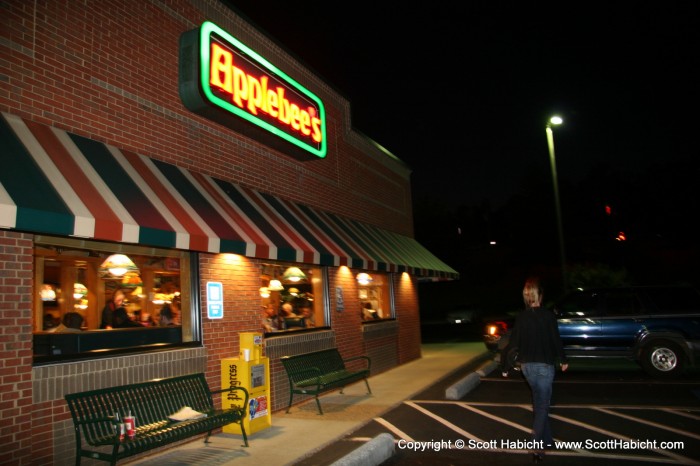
(57, 183)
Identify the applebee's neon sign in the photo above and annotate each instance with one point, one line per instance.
(223, 79)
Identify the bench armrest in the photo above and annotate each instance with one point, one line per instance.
(85, 424)
(355, 358)
(231, 389)
(95, 420)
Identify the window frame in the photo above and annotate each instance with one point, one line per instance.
(188, 334)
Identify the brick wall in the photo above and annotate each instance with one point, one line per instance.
(16, 423)
(381, 344)
(109, 71)
(406, 295)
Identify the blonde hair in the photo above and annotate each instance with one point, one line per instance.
(532, 293)
(118, 293)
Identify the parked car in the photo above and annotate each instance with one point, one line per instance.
(463, 315)
(658, 327)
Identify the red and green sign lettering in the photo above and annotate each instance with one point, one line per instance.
(223, 79)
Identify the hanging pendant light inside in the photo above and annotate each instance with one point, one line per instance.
(117, 265)
(275, 285)
(364, 278)
(294, 274)
(79, 291)
(48, 292)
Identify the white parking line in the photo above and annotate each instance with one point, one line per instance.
(678, 412)
(666, 456)
(649, 423)
(393, 429)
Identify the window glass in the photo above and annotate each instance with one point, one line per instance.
(91, 297)
(292, 298)
(674, 300)
(374, 296)
(579, 305)
(622, 303)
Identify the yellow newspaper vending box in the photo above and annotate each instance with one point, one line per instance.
(252, 371)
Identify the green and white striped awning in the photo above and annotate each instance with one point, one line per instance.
(57, 183)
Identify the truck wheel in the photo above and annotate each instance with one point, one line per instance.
(662, 358)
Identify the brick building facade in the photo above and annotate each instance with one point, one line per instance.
(103, 76)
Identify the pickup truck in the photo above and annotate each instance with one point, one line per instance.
(656, 326)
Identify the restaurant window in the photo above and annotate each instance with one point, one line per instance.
(75, 313)
(292, 298)
(374, 294)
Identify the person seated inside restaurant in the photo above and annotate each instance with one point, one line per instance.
(291, 320)
(167, 316)
(368, 313)
(71, 323)
(270, 323)
(287, 310)
(308, 316)
(51, 321)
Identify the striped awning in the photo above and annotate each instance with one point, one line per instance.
(58, 183)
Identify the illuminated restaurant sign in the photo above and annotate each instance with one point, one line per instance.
(224, 80)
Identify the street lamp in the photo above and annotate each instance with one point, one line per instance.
(555, 120)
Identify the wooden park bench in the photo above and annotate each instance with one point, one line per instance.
(151, 403)
(319, 371)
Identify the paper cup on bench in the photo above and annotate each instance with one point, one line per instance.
(130, 422)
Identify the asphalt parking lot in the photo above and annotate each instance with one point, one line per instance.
(597, 407)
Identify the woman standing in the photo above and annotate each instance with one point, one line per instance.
(536, 338)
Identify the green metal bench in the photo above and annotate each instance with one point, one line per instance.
(320, 371)
(151, 403)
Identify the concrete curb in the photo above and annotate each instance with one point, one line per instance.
(463, 386)
(372, 453)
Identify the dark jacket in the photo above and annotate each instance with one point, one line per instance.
(536, 338)
(116, 318)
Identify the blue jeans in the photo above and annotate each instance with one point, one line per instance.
(540, 377)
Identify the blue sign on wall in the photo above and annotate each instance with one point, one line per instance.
(215, 300)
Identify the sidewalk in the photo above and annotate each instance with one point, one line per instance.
(303, 431)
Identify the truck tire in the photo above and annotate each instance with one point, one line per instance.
(662, 359)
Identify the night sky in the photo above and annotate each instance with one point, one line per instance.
(461, 91)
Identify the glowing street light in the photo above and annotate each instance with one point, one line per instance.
(556, 120)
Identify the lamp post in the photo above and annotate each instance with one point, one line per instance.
(555, 120)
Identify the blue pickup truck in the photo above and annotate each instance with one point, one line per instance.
(659, 327)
